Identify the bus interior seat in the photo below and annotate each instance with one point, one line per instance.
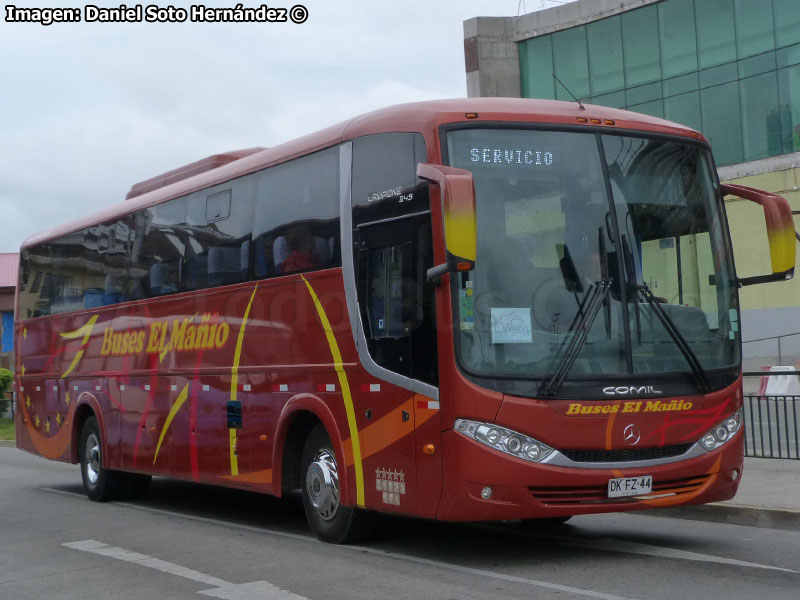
(196, 272)
(228, 264)
(691, 321)
(164, 278)
(262, 263)
(93, 298)
(323, 250)
(114, 289)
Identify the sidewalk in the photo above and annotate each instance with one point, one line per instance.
(769, 496)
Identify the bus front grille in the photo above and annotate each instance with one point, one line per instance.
(559, 496)
(626, 455)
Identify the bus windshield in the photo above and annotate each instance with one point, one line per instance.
(605, 253)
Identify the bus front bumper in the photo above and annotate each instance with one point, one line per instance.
(483, 484)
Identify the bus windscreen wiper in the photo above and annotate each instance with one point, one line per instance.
(694, 363)
(594, 300)
(646, 294)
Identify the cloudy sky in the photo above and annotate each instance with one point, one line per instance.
(87, 109)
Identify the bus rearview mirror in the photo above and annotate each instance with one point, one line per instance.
(780, 231)
(457, 191)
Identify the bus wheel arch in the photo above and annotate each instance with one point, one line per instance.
(294, 436)
(300, 415)
(85, 408)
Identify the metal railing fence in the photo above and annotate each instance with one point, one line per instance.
(771, 426)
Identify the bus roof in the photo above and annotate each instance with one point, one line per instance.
(424, 117)
(215, 161)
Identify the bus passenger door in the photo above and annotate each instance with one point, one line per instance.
(398, 317)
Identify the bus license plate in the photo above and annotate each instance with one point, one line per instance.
(630, 486)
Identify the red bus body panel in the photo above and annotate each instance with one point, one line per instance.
(159, 375)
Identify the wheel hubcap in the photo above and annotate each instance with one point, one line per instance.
(92, 458)
(322, 484)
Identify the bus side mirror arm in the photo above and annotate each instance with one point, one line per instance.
(434, 274)
(780, 232)
(457, 191)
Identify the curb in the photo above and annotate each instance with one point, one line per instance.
(8, 444)
(733, 514)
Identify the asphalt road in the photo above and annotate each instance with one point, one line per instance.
(189, 541)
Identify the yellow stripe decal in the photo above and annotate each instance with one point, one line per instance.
(86, 332)
(234, 459)
(173, 411)
(237, 356)
(75, 361)
(348, 399)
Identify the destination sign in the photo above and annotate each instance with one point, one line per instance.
(511, 156)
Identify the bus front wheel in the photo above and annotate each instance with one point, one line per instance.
(328, 518)
(101, 484)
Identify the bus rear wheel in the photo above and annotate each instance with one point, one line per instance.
(101, 484)
(328, 518)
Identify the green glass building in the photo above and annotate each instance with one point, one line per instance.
(728, 68)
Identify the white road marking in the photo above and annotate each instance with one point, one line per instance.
(144, 560)
(660, 551)
(606, 543)
(261, 590)
(362, 550)
(257, 590)
(483, 574)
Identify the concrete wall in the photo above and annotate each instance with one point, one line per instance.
(491, 58)
(570, 15)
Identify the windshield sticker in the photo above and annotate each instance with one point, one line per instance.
(511, 326)
(466, 307)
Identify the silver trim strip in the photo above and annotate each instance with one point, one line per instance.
(557, 459)
(397, 218)
(349, 276)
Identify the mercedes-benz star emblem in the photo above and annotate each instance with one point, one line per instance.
(632, 435)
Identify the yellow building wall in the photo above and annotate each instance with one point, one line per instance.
(749, 237)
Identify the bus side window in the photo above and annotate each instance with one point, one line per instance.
(35, 268)
(158, 250)
(219, 227)
(296, 224)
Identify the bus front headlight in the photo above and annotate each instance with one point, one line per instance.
(504, 440)
(722, 432)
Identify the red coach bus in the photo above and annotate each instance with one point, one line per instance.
(465, 310)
